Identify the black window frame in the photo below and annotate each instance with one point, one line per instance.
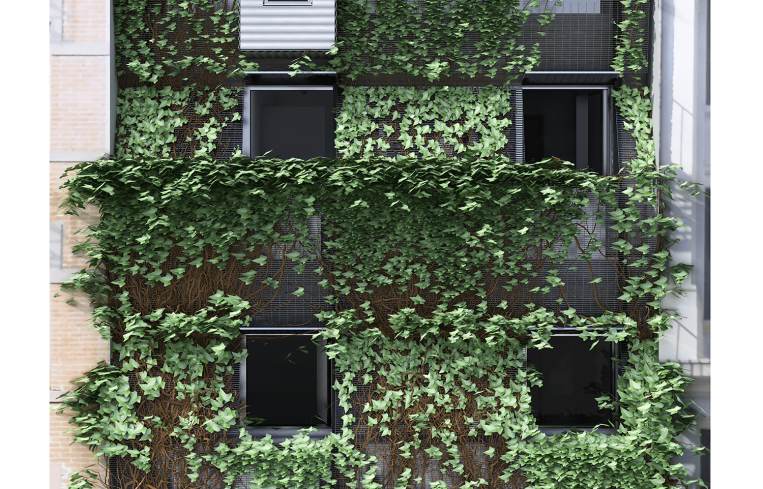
(303, 83)
(609, 140)
(620, 353)
(280, 433)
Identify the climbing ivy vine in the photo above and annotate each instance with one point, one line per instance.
(452, 121)
(180, 123)
(177, 42)
(179, 70)
(435, 41)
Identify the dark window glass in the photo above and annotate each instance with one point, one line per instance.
(573, 377)
(282, 381)
(567, 124)
(292, 123)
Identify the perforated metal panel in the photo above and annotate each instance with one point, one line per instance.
(626, 143)
(582, 35)
(285, 309)
(233, 432)
(231, 138)
(119, 474)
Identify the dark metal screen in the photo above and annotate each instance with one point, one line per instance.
(580, 38)
(284, 309)
(582, 35)
(569, 78)
(626, 150)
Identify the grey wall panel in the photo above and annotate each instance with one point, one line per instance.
(288, 27)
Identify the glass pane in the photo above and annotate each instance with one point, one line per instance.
(292, 123)
(567, 124)
(573, 377)
(282, 381)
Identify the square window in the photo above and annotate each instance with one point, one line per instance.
(574, 375)
(286, 380)
(569, 123)
(289, 122)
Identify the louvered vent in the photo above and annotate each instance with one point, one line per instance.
(289, 26)
(516, 136)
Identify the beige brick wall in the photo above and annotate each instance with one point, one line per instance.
(79, 96)
(75, 348)
(71, 223)
(85, 20)
(66, 459)
(79, 123)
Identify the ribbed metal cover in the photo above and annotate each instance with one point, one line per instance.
(517, 135)
(288, 27)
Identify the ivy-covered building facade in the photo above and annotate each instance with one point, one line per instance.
(380, 244)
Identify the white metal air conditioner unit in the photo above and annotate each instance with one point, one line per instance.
(288, 25)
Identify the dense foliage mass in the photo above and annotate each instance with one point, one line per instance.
(436, 121)
(446, 42)
(177, 42)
